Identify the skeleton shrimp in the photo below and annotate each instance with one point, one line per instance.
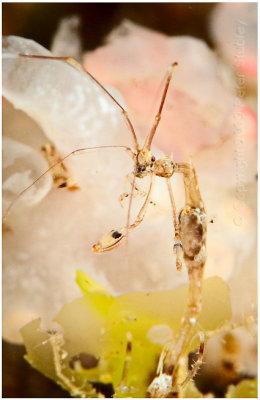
(190, 227)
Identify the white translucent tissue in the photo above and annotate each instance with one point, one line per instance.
(44, 243)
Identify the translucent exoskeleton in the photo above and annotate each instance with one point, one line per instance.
(192, 230)
(144, 164)
(190, 226)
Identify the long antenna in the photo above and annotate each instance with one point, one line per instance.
(53, 166)
(79, 67)
(157, 119)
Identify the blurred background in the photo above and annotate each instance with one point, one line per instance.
(39, 21)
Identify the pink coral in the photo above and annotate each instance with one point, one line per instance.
(199, 108)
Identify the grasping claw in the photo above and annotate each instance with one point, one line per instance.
(178, 254)
(109, 241)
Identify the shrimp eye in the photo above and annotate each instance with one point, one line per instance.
(62, 185)
(116, 235)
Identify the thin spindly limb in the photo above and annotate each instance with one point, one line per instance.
(122, 387)
(129, 210)
(113, 238)
(196, 365)
(71, 61)
(143, 209)
(174, 212)
(74, 152)
(177, 248)
(157, 119)
(136, 191)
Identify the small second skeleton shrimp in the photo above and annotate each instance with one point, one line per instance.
(60, 174)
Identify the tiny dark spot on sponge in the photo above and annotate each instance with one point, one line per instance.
(86, 360)
(129, 347)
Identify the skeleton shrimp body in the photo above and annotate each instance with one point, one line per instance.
(190, 226)
(193, 229)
